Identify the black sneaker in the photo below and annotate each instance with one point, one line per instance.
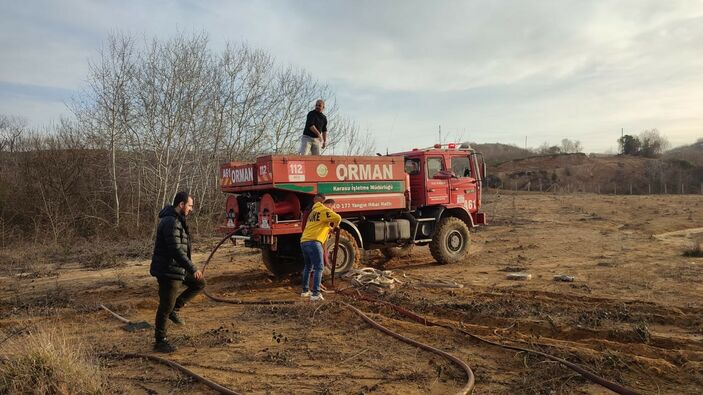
(175, 318)
(164, 346)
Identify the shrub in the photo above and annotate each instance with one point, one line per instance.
(696, 251)
(47, 363)
(101, 259)
(27, 262)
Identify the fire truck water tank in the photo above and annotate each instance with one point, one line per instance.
(382, 231)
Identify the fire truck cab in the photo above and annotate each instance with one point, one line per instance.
(447, 176)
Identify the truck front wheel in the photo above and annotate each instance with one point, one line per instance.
(348, 255)
(451, 240)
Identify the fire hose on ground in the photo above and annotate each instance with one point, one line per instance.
(209, 383)
(617, 388)
(235, 301)
(468, 387)
(470, 380)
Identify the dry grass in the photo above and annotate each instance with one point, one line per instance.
(111, 254)
(101, 259)
(25, 263)
(47, 363)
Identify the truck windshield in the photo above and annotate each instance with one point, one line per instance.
(461, 166)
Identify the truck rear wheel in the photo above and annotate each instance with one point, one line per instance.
(451, 240)
(348, 255)
(277, 265)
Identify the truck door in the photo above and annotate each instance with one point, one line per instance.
(417, 181)
(462, 188)
(436, 188)
(479, 175)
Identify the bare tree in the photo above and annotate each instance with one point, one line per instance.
(50, 190)
(296, 90)
(11, 130)
(349, 140)
(546, 149)
(162, 116)
(108, 112)
(570, 147)
(653, 143)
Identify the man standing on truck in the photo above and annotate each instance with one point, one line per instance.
(317, 229)
(315, 133)
(171, 264)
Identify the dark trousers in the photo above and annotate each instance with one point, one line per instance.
(168, 301)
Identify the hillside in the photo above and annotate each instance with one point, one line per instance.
(495, 153)
(691, 153)
(600, 174)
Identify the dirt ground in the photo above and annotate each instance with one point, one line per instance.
(634, 313)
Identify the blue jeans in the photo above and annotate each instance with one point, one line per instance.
(312, 255)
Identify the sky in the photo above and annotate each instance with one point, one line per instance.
(513, 72)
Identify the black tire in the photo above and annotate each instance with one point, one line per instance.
(451, 240)
(348, 255)
(397, 252)
(277, 265)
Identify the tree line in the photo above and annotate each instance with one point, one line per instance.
(567, 147)
(155, 118)
(649, 144)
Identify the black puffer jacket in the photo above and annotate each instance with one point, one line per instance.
(172, 248)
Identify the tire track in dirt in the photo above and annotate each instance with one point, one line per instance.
(659, 354)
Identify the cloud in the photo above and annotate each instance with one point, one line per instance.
(497, 70)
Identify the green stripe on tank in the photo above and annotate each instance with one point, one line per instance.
(360, 187)
(295, 187)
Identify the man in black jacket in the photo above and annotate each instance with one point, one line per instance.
(171, 265)
(314, 135)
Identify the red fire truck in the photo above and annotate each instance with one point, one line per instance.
(429, 196)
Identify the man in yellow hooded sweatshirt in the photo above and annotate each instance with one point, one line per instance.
(317, 228)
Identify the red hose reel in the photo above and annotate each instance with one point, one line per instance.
(284, 207)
